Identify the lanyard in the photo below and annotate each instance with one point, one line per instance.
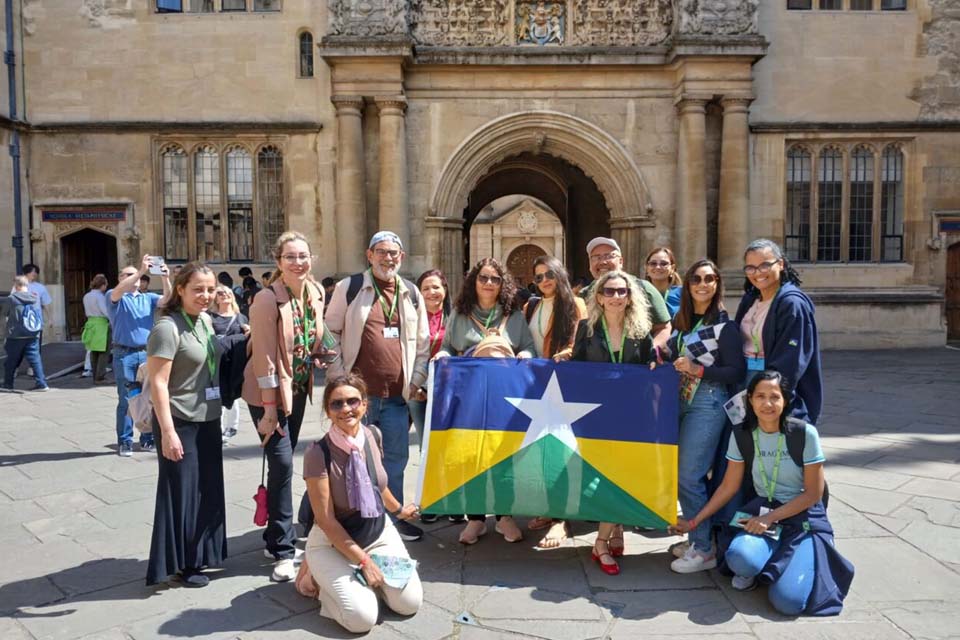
(768, 485)
(681, 345)
(387, 313)
(756, 332)
(486, 325)
(207, 344)
(623, 340)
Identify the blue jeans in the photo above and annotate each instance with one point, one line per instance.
(393, 418)
(126, 361)
(19, 349)
(747, 556)
(701, 425)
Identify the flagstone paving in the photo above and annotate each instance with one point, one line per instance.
(75, 532)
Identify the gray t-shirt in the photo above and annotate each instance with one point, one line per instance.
(172, 339)
(790, 477)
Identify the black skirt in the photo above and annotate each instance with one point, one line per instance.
(189, 521)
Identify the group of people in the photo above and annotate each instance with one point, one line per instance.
(373, 335)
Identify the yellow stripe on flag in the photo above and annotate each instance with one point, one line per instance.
(456, 456)
(646, 471)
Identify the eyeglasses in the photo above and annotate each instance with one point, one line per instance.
(393, 254)
(546, 275)
(604, 257)
(710, 278)
(658, 264)
(340, 403)
(485, 279)
(763, 267)
(616, 292)
(293, 258)
(222, 293)
(128, 275)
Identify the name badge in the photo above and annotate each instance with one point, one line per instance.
(391, 333)
(755, 364)
(213, 393)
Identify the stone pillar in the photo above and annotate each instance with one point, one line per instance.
(628, 232)
(690, 223)
(734, 223)
(350, 211)
(445, 247)
(394, 207)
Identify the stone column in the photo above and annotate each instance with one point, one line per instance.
(394, 207)
(628, 232)
(445, 247)
(734, 218)
(350, 211)
(690, 223)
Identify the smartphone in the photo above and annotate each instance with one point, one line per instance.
(327, 356)
(156, 262)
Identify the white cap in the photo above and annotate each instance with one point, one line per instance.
(384, 236)
(596, 242)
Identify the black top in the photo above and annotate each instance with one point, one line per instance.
(228, 325)
(594, 348)
(729, 367)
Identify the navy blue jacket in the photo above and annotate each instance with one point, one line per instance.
(791, 345)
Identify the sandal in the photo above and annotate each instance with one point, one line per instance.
(555, 536)
(509, 529)
(540, 522)
(616, 550)
(611, 569)
(472, 532)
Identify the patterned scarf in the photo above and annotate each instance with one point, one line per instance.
(360, 493)
(304, 335)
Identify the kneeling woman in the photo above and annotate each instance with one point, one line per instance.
(805, 572)
(347, 486)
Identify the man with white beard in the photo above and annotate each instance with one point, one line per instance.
(380, 325)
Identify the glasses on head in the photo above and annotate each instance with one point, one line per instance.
(546, 275)
(223, 293)
(393, 254)
(710, 278)
(340, 403)
(658, 264)
(485, 279)
(293, 258)
(616, 292)
(763, 267)
(604, 257)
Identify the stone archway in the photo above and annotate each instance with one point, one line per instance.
(581, 143)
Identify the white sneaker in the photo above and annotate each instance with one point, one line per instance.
(679, 549)
(284, 571)
(694, 561)
(740, 583)
(86, 374)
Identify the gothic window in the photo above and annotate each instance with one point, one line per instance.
(830, 5)
(239, 204)
(234, 5)
(206, 184)
(199, 6)
(174, 198)
(267, 5)
(891, 205)
(861, 204)
(169, 6)
(861, 5)
(306, 55)
(893, 5)
(269, 199)
(798, 204)
(795, 5)
(829, 204)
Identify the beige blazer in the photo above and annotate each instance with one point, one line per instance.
(270, 362)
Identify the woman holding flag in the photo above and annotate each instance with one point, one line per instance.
(616, 330)
(707, 354)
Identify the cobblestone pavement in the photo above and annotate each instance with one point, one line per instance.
(75, 531)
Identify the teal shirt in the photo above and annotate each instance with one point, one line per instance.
(790, 480)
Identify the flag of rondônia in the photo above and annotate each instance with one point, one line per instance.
(574, 440)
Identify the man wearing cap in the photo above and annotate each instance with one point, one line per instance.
(380, 324)
(605, 256)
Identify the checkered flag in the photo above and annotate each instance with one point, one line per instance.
(704, 344)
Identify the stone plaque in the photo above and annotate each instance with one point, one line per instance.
(461, 22)
(718, 17)
(623, 23)
(541, 23)
(365, 18)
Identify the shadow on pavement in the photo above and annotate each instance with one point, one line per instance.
(28, 458)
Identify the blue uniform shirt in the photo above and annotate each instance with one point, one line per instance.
(131, 318)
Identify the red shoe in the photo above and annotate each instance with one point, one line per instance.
(609, 569)
(616, 550)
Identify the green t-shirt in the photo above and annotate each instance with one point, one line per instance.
(172, 339)
(659, 314)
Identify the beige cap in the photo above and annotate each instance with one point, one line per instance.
(596, 242)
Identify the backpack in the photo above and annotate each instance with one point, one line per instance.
(532, 304)
(356, 283)
(492, 345)
(796, 437)
(28, 320)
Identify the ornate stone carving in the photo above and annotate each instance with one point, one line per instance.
(718, 17)
(527, 221)
(366, 18)
(540, 22)
(625, 23)
(461, 23)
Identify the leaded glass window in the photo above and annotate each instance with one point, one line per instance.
(893, 5)
(861, 5)
(831, 5)
(267, 5)
(234, 5)
(891, 205)
(798, 204)
(793, 5)
(829, 204)
(861, 204)
(269, 199)
(206, 184)
(306, 55)
(174, 179)
(239, 204)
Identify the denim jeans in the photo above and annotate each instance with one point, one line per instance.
(701, 425)
(748, 554)
(393, 418)
(19, 349)
(126, 361)
(280, 536)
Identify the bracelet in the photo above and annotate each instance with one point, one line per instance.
(269, 404)
(394, 513)
(363, 561)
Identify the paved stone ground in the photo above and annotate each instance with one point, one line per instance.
(75, 529)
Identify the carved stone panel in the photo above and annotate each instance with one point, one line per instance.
(365, 18)
(718, 17)
(626, 23)
(540, 23)
(461, 22)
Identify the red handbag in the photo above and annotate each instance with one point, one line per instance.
(260, 516)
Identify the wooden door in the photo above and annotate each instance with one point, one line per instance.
(520, 263)
(953, 292)
(85, 254)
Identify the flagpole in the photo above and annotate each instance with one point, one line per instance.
(425, 440)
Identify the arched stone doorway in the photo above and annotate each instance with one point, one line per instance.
(85, 253)
(538, 153)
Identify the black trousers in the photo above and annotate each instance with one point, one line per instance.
(189, 521)
(280, 536)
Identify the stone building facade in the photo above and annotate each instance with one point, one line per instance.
(199, 128)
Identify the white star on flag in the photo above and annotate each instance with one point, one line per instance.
(550, 415)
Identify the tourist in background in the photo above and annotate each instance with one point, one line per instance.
(96, 329)
(228, 321)
(24, 325)
(661, 268)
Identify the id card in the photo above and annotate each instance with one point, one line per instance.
(391, 333)
(213, 393)
(755, 364)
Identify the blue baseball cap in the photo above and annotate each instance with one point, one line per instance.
(384, 236)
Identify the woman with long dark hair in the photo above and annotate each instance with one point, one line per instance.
(189, 522)
(706, 352)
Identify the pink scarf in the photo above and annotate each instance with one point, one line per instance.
(360, 493)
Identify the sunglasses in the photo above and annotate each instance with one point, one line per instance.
(485, 279)
(710, 278)
(616, 292)
(546, 275)
(337, 405)
(660, 264)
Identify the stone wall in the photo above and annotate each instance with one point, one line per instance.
(939, 93)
